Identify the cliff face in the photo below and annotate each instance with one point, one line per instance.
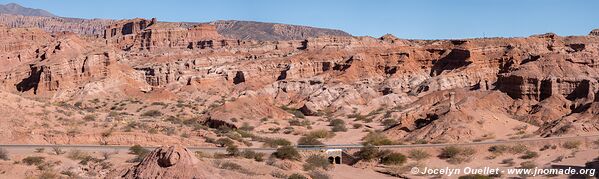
(546, 81)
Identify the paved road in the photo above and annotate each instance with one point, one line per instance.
(299, 147)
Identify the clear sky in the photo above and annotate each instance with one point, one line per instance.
(416, 19)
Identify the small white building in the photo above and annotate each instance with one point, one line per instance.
(334, 155)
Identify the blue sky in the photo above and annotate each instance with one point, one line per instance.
(417, 19)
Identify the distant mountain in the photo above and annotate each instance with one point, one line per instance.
(14, 15)
(271, 31)
(16, 9)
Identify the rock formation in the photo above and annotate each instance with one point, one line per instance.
(171, 162)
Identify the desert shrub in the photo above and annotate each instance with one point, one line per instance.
(297, 176)
(287, 153)
(318, 175)
(509, 162)
(233, 150)
(418, 155)
(571, 144)
(39, 150)
(456, 155)
(223, 142)
(33, 160)
(316, 161)
(338, 125)
(138, 150)
(139, 153)
(89, 117)
(227, 165)
(529, 155)
(528, 165)
(297, 122)
(3, 154)
(547, 147)
(58, 151)
(269, 142)
(77, 155)
(474, 176)
(376, 138)
(499, 149)
(309, 140)
(518, 149)
(367, 153)
(278, 174)
(321, 134)
(158, 104)
(250, 154)
(152, 113)
(393, 159)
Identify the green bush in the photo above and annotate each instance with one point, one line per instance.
(338, 125)
(316, 161)
(250, 154)
(418, 155)
(233, 150)
(456, 155)
(518, 149)
(89, 117)
(33, 160)
(138, 150)
(152, 113)
(529, 155)
(309, 140)
(297, 176)
(499, 149)
(368, 153)
(375, 138)
(3, 154)
(287, 153)
(571, 144)
(227, 165)
(318, 175)
(269, 142)
(321, 134)
(223, 142)
(393, 159)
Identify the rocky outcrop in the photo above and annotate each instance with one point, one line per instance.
(18, 45)
(162, 35)
(171, 162)
(594, 32)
